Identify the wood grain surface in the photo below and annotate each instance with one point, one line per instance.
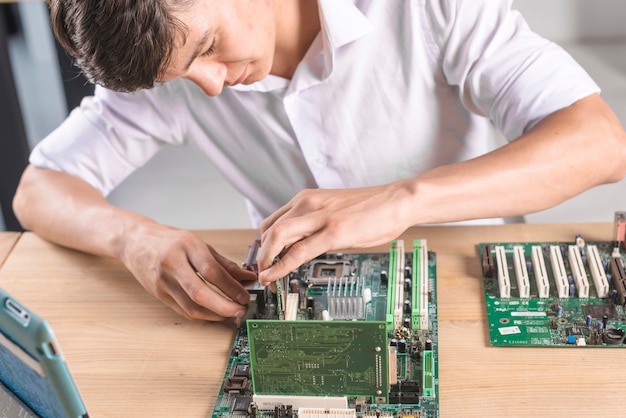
(132, 356)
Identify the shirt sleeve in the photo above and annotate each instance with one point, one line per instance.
(110, 135)
(503, 70)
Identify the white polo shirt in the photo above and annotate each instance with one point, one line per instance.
(388, 89)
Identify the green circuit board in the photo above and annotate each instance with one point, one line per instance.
(287, 357)
(555, 294)
(349, 335)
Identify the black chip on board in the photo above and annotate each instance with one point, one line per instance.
(598, 311)
(242, 403)
(241, 370)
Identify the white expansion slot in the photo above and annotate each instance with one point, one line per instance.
(397, 312)
(597, 271)
(423, 278)
(504, 282)
(521, 272)
(291, 312)
(541, 275)
(578, 271)
(558, 270)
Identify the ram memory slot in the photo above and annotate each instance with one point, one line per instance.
(391, 285)
(558, 270)
(428, 374)
(399, 285)
(419, 297)
(597, 271)
(504, 282)
(541, 274)
(578, 271)
(521, 272)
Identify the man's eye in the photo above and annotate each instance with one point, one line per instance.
(210, 50)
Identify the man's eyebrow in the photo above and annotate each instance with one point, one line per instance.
(199, 47)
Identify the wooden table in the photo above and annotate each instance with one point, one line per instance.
(7, 241)
(131, 356)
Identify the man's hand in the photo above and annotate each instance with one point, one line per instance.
(185, 273)
(175, 266)
(321, 220)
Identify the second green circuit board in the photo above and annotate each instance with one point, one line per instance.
(555, 294)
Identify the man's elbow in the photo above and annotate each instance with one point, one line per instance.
(22, 200)
(615, 158)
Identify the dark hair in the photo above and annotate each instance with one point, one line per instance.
(123, 45)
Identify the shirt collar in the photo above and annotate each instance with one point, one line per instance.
(342, 22)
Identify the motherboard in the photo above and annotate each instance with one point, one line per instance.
(345, 335)
(557, 294)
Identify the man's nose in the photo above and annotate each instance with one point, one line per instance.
(209, 76)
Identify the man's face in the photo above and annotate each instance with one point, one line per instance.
(228, 42)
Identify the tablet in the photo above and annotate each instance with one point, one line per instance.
(34, 378)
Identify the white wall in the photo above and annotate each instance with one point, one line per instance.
(594, 32)
(575, 20)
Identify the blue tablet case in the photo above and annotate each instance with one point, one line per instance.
(35, 380)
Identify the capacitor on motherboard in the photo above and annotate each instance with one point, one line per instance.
(254, 410)
(605, 320)
(559, 311)
(294, 286)
(428, 345)
(572, 290)
(407, 285)
(407, 306)
(588, 321)
(401, 345)
(408, 272)
(310, 307)
(384, 277)
(600, 326)
(406, 322)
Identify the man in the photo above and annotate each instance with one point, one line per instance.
(343, 122)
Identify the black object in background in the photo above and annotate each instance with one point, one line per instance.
(14, 148)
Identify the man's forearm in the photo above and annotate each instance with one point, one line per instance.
(69, 212)
(569, 152)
